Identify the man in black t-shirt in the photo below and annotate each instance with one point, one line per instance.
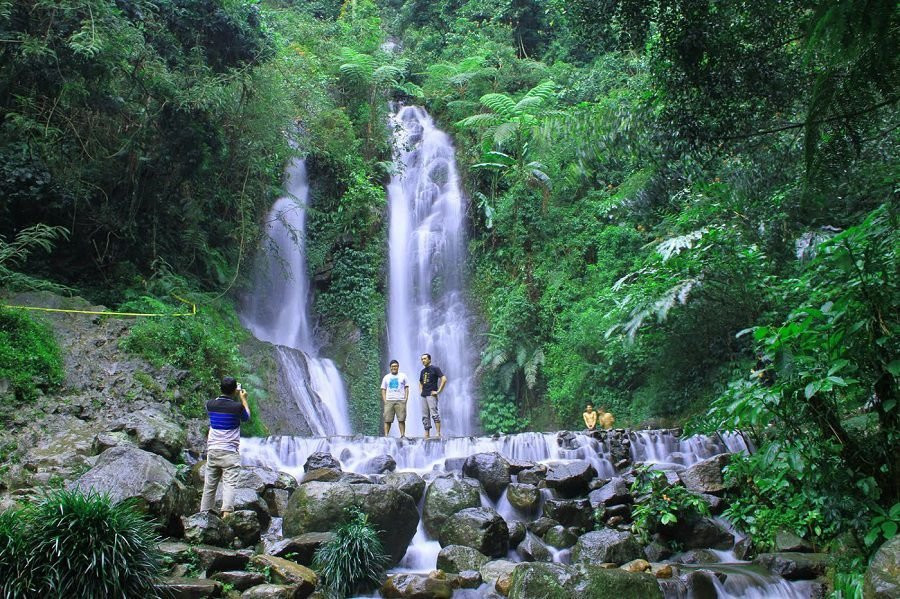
(431, 384)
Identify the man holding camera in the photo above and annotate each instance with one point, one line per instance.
(222, 457)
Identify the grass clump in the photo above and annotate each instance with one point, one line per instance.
(354, 560)
(72, 544)
(30, 358)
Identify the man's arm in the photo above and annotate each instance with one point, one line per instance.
(383, 394)
(443, 382)
(243, 395)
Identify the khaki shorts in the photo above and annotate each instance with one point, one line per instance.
(395, 407)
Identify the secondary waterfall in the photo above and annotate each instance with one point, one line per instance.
(278, 312)
(426, 311)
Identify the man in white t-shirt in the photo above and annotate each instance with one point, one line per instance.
(394, 393)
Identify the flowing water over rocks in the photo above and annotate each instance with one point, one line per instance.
(277, 312)
(426, 312)
(477, 513)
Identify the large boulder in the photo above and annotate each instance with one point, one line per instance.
(188, 588)
(379, 465)
(560, 537)
(533, 475)
(491, 470)
(606, 546)
(882, 579)
(444, 497)
(570, 512)
(126, 472)
(603, 582)
(155, 432)
(409, 482)
(206, 528)
(302, 548)
(700, 533)
(246, 526)
(532, 549)
(532, 580)
(480, 528)
(794, 566)
(615, 492)
(321, 459)
(706, 476)
(285, 571)
(523, 497)
(571, 479)
(458, 558)
(319, 507)
(417, 586)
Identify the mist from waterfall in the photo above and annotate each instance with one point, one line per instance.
(277, 311)
(426, 312)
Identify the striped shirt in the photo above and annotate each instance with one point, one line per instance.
(225, 417)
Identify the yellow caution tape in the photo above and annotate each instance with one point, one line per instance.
(193, 311)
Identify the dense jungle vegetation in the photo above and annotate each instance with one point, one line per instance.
(684, 211)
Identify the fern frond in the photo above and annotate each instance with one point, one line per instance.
(674, 245)
(505, 132)
(501, 104)
(479, 121)
(544, 90)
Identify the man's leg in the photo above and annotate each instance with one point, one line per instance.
(401, 417)
(231, 468)
(435, 414)
(388, 417)
(426, 417)
(210, 482)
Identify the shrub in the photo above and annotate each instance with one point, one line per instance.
(354, 560)
(14, 572)
(84, 545)
(500, 415)
(30, 358)
(660, 503)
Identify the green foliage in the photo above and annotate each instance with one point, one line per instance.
(205, 345)
(884, 525)
(71, 544)
(500, 415)
(661, 504)
(353, 560)
(30, 358)
(14, 253)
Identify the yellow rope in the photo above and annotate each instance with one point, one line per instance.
(193, 311)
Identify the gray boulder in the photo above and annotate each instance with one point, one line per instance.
(785, 540)
(444, 497)
(126, 472)
(319, 506)
(458, 558)
(155, 432)
(523, 497)
(206, 528)
(417, 586)
(533, 475)
(321, 459)
(188, 588)
(246, 526)
(240, 580)
(706, 476)
(570, 479)
(606, 545)
(794, 566)
(570, 512)
(517, 532)
(882, 580)
(379, 465)
(491, 470)
(532, 549)
(480, 528)
(700, 533)
(271, 591)
(409, 482)
(301, 548)
(615, 492)
(560, 537)
(532, 580)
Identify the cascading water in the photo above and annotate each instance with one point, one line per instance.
(277, 312)
(426, 311)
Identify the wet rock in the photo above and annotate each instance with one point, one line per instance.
(276, 501)
(326, 475)
(657, 551)
(560, 537)
(105, 440)
(454, 464)
(469, 579)
(481, 528)
(637, 565)
(567, 440)
(155, 432)
(301, 548)
(271, 591)
(517, 532)
(541, 525)
(245, 524)
(697, 556)
(606, 546)
(615, 492)
(622, 511)
(787, 541)
(126, 472)
(288, 572)
(701, 585)
(882, 579)
(716, 504)
(794, 566)
(352, 478)
(570, 512)
(239, 579)
(321, 459)
(532, 580)
(417, 586)
(532, 476)
(188, 588)
(379, 465)
(211, 559)
(458, 558)
(409, 482)
(444, 497)
(663, 570)
(491, 470)
(493, 570)
(532, 549)
(571, 479)
(743, 549)
(516, 466)
(700, 533)
(523, 497)
(706, 476)
(318, 506)
(247, 499)
(207, 529)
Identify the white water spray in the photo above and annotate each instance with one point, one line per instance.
(278, 312)
(426, 312)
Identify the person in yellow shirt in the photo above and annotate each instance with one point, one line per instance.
(606, 418)
(590, 417)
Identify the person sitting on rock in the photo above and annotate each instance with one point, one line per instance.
(223, 459)
(606, 418)
(590, 417)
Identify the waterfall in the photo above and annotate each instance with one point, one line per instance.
(277, 311)
(426, 311)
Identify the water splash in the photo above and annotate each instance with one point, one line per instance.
(277, 311)
(426, 311)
